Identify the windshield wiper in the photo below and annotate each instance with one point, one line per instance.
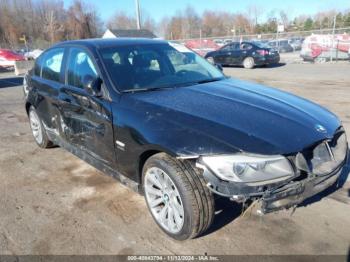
(158, 88)
(210, 80)
(134, 90)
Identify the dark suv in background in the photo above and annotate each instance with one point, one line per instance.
(248, 54)
(171, 126)
(281, 45)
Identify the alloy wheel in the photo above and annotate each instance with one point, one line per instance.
(248, 62)
(35, 126)
(164, 200)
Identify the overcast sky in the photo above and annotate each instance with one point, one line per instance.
(160, 8)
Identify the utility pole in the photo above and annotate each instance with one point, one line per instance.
(138, 15)
(333, 33)
(200, 38)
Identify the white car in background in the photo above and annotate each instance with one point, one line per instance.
(33, 54)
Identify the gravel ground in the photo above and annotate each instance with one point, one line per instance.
(53, 203)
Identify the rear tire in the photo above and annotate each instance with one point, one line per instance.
(38, 129)
(248, 62)
(193, 198)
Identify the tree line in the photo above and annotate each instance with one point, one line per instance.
(188, 23)
(45, 22)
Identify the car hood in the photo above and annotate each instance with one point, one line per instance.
(231, 115)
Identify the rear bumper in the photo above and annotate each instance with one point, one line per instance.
(261, 60)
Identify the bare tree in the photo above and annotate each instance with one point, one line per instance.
(191, 23)
(121, 20)
(254, 13)
(53, 26)
(284, 19)
(82, 21)
(45, 22)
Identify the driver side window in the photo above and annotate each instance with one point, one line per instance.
(79, 65)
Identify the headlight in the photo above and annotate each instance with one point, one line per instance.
(252, 169)
(340, 148)
(327, 156)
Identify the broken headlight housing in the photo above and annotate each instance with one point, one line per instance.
(327, 156)
(250, 169)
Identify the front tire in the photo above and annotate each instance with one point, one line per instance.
(38, 129)
(177, 197)
(248, 62)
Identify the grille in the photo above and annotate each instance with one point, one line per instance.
(325, 157)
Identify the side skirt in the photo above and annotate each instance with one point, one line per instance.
(87, 157)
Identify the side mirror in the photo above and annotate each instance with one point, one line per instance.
(92, 85)
(218, 66)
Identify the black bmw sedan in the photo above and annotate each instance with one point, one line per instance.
(172, 127)
(248, 54)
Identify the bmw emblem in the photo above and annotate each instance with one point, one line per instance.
(320, 128)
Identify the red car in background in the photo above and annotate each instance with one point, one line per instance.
(322, 47)
(8, 58)
(202, 47)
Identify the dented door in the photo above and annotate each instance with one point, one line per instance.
(86, 120)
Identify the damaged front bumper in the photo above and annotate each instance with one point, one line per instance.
(296, 192)
(275, 196)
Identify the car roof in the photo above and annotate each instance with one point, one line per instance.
(279, 40)
(243, 42)
(109, 42)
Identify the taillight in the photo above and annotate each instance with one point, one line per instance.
(262, 52)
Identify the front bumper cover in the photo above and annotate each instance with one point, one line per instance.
(275, 196)
(296, 192)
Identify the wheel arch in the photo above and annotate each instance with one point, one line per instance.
(27, 106)
(147, 153)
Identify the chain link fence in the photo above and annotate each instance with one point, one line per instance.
(271, 36)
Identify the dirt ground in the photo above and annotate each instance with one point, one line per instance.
(53, 203)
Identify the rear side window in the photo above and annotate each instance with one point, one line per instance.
(227, 48)
(52, 63)
(80, 65)
(235, 46)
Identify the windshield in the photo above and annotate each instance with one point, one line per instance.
(151, 66)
